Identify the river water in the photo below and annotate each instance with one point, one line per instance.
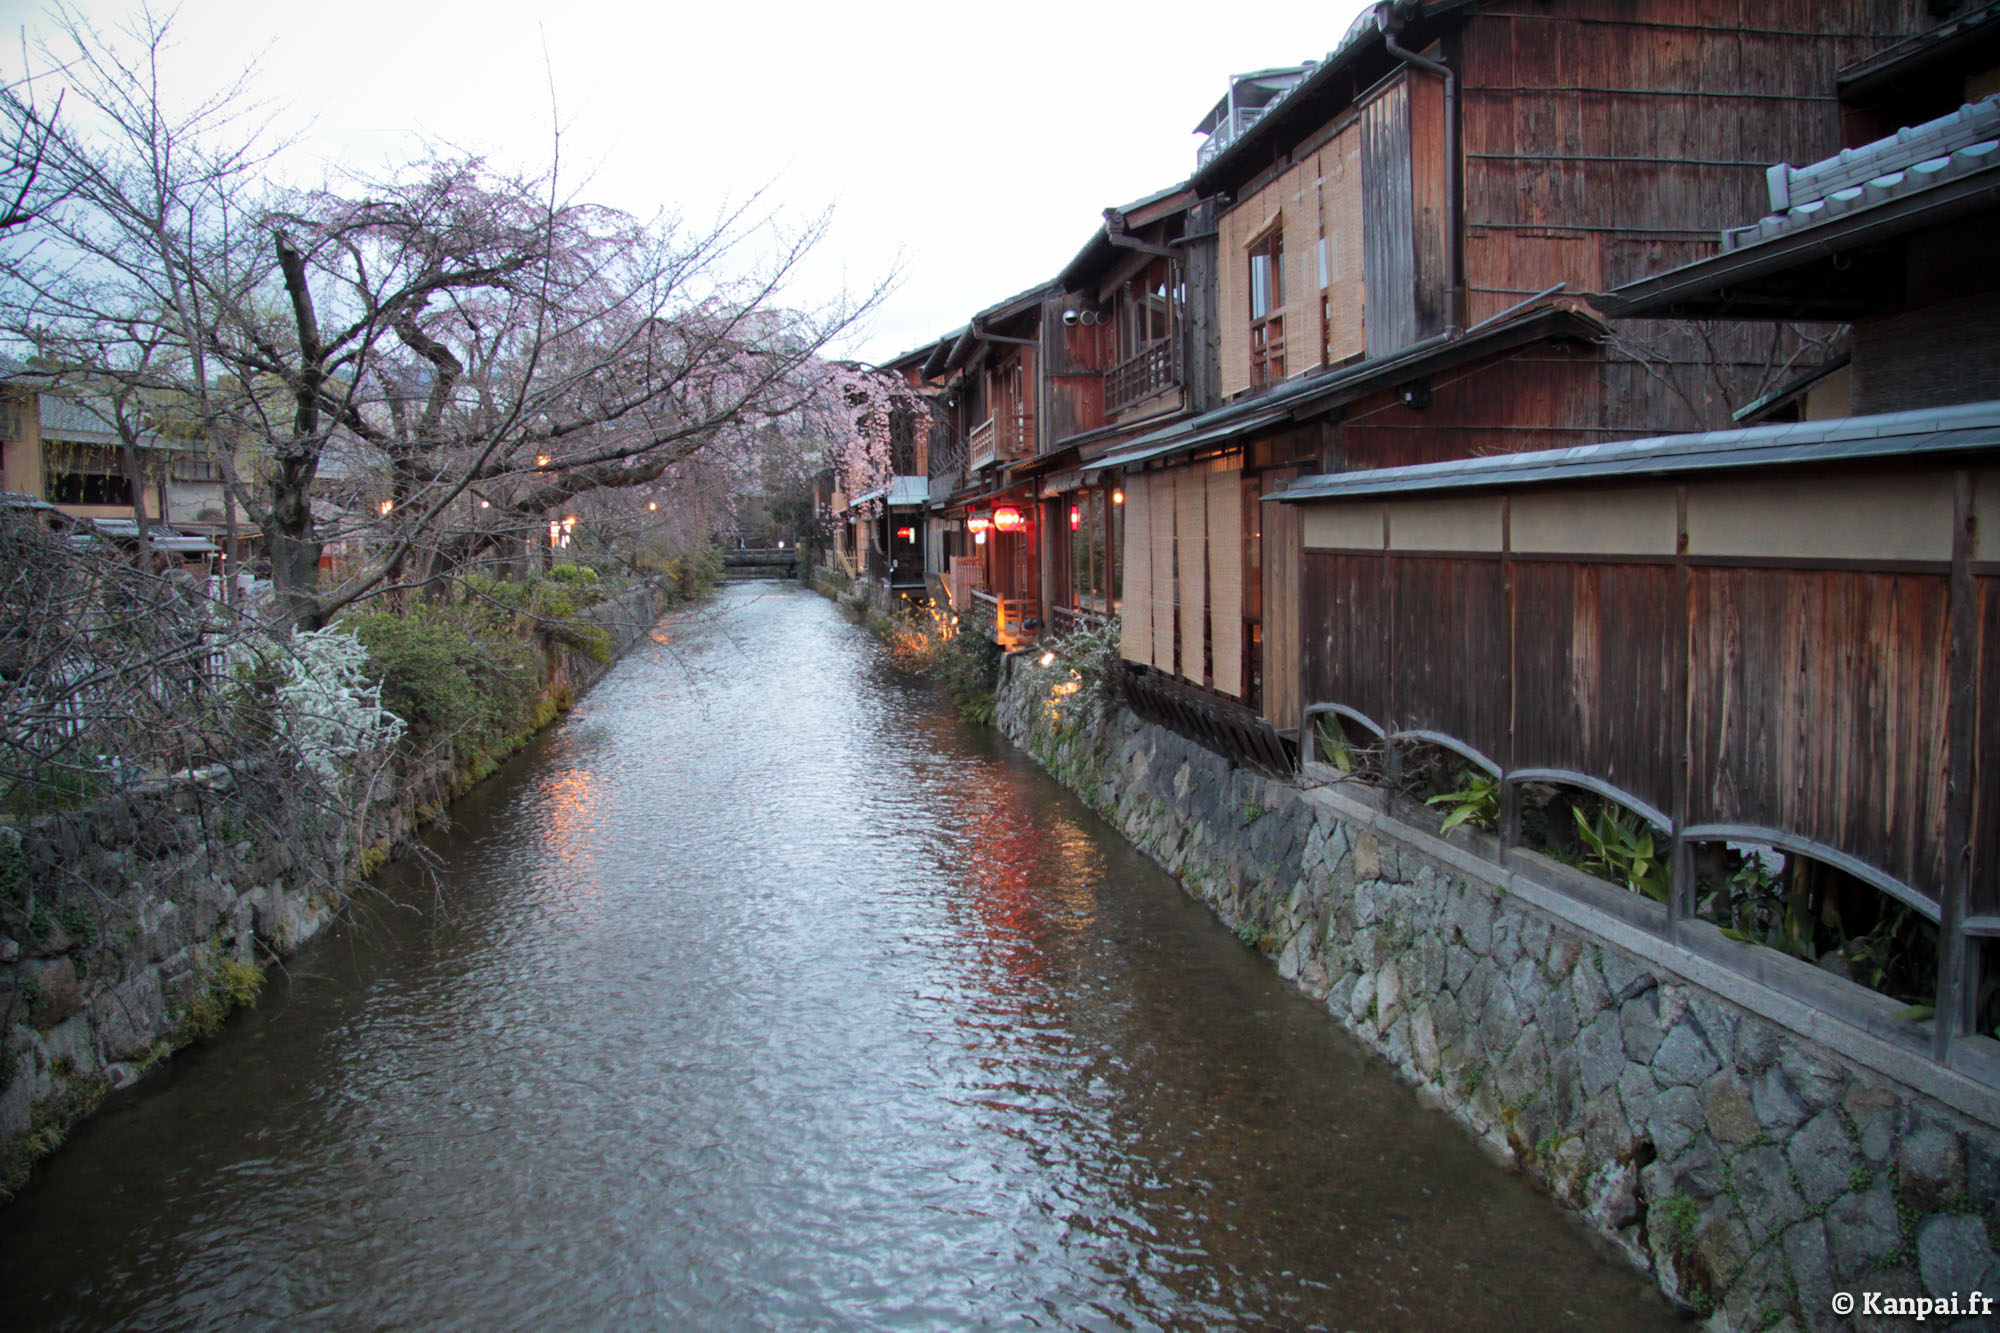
(763, 993)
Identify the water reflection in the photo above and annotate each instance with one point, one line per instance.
(769, 995)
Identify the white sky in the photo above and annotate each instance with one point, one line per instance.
(973, 145)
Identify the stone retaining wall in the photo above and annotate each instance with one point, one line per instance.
(1753, 1156)
(156, 908)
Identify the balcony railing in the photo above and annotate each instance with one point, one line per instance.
(1070, 619)
(1153, 371)
(979, 449)
(1004, 435)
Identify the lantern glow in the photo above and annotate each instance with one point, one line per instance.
(1008, 519)
(1075, 518)
(978, 523)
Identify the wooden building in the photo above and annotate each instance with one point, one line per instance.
(1399, 249)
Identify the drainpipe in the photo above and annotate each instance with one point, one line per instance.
(1390, 18)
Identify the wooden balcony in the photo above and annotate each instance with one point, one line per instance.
(979, 451)
(1153, 371)
(1001, 437)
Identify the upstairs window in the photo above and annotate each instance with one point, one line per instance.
(1267, 298)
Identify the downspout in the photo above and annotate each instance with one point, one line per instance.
(1389, 17)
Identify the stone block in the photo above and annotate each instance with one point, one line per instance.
(130, 1017)
(1424, 1042)
(1699, 1172)
(1930, 1168)
(1600, 1054)
(1777, 1107)
(1520, 1075)
(1587, 988)
(1761, 1179)
(58, 994)
(1825, 1159)
(1639, 1023)
(1811, 1265)
(1673, 1120)
(1684, 1057)
(1818, 1082)
(1725, 1105)
(1874, 1112)
(1472, 918)
(1625, 978)
(1954, 1254)
(1367, 858)
(1861, 1231)
(1638, 1095)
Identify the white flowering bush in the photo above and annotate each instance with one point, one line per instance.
(327, 710)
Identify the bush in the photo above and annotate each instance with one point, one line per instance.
(452, 675)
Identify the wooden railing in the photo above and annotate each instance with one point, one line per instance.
(1005, 619)
(1153, 371)
(979, 449)
(1070, 619)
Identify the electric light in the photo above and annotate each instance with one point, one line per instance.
(652, 506)
(1008, 519)
(387, 505)
(1118, 497)
(978, 523)
(1048, 659)
(541, 460)
(1075, 518)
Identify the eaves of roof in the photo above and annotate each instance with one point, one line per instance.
(1098, 253)
(1705, 286)
(1923, 432)
(1312, 395)
(1974, 28)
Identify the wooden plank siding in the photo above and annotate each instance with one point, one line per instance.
(1788, 641)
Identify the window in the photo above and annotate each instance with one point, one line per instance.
(1325, 305)
(84, 475)
(1145, 314)
(1267, 299)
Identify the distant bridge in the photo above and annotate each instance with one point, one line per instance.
(761, 564)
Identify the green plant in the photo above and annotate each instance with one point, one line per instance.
(1619, 847)
(1333, 746)
(1476, 802)
(1253, 812)
(1248, 932)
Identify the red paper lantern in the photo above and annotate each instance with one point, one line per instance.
(1008, 519)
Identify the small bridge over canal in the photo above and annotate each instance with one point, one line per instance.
(760, 563)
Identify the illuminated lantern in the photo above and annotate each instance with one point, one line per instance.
(906, 534)
(652, 506)
(1118, 497)
(1075, 518)
(1008, 519)
(978, 523)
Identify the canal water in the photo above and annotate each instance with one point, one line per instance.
(763, 993)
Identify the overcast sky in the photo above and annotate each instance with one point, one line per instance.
(971, 147)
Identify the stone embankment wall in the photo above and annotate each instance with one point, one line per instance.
(154, 911)
(1753, 1156)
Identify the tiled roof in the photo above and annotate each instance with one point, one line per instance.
(1911, 160)
(1934, 432)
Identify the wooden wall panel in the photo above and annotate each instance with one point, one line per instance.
(1389, 246)
(1818, 699)
(1343, 632)
(1450, 649)
(1595, 673)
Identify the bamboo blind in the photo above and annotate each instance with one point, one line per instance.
(1225, 573)
(1190, 505)
(1135, 634)
(1161, 553)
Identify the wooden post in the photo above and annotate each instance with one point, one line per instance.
(1956, 995)
(1680, 859)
